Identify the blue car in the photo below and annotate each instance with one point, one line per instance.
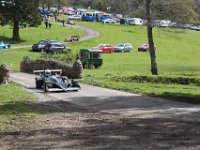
(4, 45)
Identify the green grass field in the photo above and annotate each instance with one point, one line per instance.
(177, 56)
(14, 106)
(31, 35)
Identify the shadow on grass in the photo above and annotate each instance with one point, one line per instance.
(9, 40)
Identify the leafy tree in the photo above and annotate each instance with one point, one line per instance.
(17, 11)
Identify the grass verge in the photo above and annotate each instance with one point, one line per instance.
(17, 107)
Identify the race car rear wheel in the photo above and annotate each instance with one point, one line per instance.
(75, 83)
(39, 84)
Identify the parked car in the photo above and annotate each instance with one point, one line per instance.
(90, 58)
(46, 12)
(69, 13)
(4, 45)
(75, 17)
(123, 47)
(62, 12)
(108, 20)
(72, 38)
(88, 16)
(106, 48)
(54, 48)
(41, 44)
(196, 28)
(144, 48)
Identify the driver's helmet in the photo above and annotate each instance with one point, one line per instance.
(48, 72)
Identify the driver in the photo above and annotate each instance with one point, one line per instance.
(48, 72)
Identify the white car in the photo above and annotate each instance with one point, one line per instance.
(109, 20)
(75, 17)
(123, 47)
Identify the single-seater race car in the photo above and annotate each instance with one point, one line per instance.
(52, 81)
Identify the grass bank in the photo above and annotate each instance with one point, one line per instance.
(16, 106)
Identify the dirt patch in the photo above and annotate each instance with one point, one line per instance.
(67, 126)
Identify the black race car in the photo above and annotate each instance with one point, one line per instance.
(52, 81)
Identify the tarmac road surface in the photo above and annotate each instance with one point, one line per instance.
(114, 101)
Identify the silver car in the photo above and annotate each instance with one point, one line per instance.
(75, 17)
(108, 20)
(123, 47)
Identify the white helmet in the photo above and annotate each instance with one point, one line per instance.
(48, 72)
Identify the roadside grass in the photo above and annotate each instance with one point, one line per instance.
(177, 56)
(174, 91)
(14, 57)
(15, 106)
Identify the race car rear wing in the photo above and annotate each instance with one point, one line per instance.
(52, 71)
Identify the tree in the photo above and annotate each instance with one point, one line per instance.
(17, 11)
(154, 69)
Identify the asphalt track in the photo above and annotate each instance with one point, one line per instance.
(114, 101)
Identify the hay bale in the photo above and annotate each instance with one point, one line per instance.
(71, 71)
(4, 74)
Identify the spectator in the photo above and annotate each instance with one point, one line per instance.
(50, 24)
(63, 21)
(46, 23)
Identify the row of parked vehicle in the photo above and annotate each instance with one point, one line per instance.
(50, 46)
(54, 46)
(186, 26)
(108, 48)
(91, 58)
(121, 47)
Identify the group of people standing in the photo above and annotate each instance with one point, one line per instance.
(49, 24)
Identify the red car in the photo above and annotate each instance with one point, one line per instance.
(72, 38)
(106, 48)
(144, 48)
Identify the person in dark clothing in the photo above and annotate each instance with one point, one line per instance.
(46, 23)
(63, 21)
(50, 24)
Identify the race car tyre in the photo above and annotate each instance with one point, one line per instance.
(75, 84)
(39, 84)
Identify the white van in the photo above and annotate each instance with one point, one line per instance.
(138, 21)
